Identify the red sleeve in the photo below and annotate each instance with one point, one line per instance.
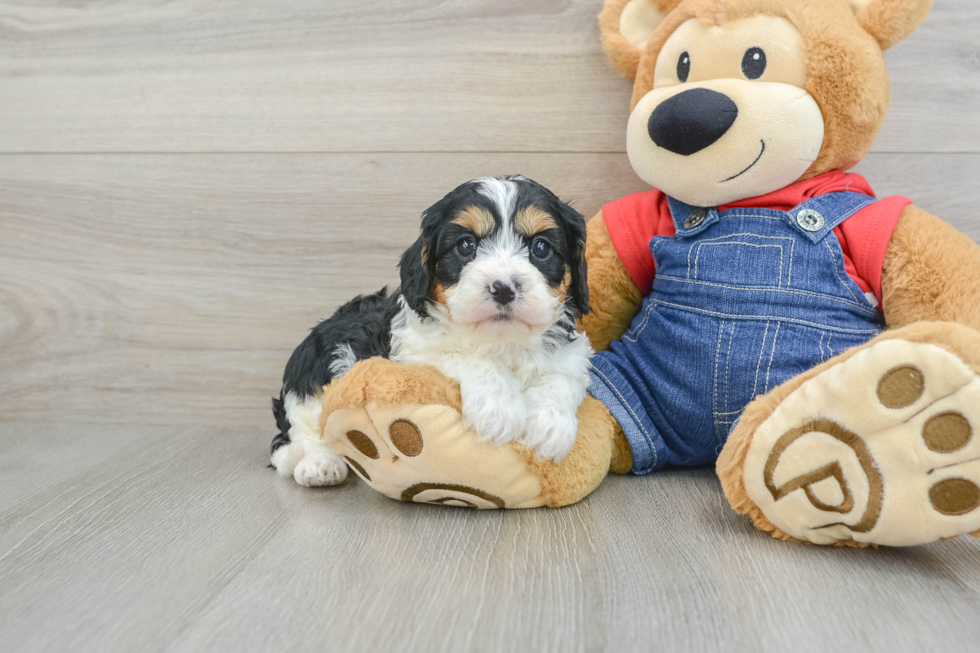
(632, 222)
(864, 238)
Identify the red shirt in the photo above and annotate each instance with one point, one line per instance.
(635, 219)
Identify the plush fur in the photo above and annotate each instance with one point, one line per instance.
(620, 300)
(931, 272)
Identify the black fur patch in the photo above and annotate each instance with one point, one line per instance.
(364, 323)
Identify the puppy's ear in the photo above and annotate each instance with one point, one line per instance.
(418, 263)
(573, 229)
(416, 276)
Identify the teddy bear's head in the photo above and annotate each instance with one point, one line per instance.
(737, 98)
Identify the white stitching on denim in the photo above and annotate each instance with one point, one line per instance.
(792, 251)
(746, 233)
(636, 419)
(739, 242)
(833, 257)
(772, 355)
(714, 390)
(830, 350)
(863, 307)
(758, 365)
(728, 366)
(635, 333)
(753, 215)
(820, 345)
(792, 243)
(760, 318)
(690, 248)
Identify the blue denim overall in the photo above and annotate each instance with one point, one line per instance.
(742, 301)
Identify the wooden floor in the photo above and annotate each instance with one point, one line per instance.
(186, 187)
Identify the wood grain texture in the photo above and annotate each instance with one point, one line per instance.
(178, 539)
(380, 75)
(186, 187)
(171, 289)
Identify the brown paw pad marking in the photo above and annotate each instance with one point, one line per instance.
(954, 496)
(901, 386)
(406, 437)
(833, 470)
(451, 494)
(357, 468)
(363, 443)
(947, 432)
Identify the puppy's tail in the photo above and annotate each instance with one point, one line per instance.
(282, 422)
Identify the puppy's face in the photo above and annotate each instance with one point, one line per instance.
(502, 256)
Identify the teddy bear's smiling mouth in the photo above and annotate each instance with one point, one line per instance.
(761, 152)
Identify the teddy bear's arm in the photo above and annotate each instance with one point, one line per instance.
(931, 272)
(614, 298)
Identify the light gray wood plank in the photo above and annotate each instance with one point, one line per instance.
(171, 289)
(181, 540)
(395, 75)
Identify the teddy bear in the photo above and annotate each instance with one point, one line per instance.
(759, 309)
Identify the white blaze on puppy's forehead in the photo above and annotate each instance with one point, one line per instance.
(502, 192)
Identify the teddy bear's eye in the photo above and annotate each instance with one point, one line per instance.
(754, 63)
(684, 67)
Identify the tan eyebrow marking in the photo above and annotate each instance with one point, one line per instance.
(477, 219)
(531, 220)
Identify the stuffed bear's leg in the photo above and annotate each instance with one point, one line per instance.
(400, 428)
(876, 446)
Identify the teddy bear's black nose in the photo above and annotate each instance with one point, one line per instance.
(692, 120)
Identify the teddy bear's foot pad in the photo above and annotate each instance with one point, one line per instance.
(426, 454)
(879, 449)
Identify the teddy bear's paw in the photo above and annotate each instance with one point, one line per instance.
(427, 454)
(879, 449)
(550, 432)
(320, 467)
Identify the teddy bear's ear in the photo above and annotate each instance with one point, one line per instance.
(626, 26)
(890, 21)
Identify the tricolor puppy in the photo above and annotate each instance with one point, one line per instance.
(490, 294)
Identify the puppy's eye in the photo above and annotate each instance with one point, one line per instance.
(466, 247)
(754, 63)
(684, 67)
(540, 248)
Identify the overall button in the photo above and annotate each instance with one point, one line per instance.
(697, 217)
(810, 220)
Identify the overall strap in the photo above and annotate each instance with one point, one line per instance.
(813, 219)
(816, 218)
(690, 220)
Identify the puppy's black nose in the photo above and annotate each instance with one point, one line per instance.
(692, 120)
(502, 293)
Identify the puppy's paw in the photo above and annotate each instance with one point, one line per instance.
(286, 457)
(550, 432)
(318, 468)
(496, 413)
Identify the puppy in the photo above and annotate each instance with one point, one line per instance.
(490, 295)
